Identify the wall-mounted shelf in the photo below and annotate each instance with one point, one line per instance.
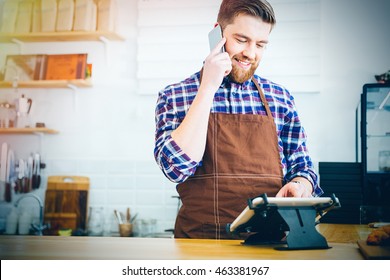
(48, 84)
(59, 37)
(29, 130)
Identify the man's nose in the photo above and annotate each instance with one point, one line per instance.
(250, 51)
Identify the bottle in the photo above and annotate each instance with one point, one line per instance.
(11, 223)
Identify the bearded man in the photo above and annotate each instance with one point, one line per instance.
(225, 134)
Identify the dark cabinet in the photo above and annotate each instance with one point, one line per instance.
(344, 179)
(373, 151)
(363, 186)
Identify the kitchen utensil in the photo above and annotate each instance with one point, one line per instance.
(133, 218)
(128, 215)
(36, 176)
(118, 216)
(30, 165)
(66, 203)
(9, 175)
(19, 187)
(3, 169)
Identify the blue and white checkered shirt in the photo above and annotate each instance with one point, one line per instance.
(232, 98)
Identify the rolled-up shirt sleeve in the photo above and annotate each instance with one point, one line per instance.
(176, 165)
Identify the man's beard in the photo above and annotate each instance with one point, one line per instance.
(238, 75)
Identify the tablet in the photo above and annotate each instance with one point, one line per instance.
(248, 213)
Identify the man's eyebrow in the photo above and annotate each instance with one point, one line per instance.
(249, 39)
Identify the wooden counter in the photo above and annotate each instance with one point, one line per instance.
(342, 239)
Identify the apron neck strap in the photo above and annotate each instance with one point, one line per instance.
(262, 97)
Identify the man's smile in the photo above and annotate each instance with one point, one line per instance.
(244, 64)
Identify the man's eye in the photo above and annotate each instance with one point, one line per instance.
(261, 46)
(241, 41)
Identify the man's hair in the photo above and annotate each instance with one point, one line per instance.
(229, 9)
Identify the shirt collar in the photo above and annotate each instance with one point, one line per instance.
(227, 82)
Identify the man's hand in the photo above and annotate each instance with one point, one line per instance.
(216, 66)
(298, 187)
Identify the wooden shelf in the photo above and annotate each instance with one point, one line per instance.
(59, 36)
(48, 84)
(30, 130)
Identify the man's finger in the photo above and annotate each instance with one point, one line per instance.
(219, 46)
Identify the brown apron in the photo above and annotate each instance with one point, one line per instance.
(241, 161)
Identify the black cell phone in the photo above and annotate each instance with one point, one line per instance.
(215, 36)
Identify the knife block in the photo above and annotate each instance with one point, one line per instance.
(66, 203)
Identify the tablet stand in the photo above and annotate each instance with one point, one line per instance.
(271, 222)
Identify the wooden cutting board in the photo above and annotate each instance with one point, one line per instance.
(374, 252)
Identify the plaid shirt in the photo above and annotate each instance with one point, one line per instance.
(232, 98)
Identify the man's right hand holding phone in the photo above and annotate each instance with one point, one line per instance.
(216, 66)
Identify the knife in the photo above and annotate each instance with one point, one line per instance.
(30, 164)
(9, 175)
(38, 169)
(3, 169)
(20, 188)
(35, 179)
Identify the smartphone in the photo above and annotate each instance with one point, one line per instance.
(215, 36)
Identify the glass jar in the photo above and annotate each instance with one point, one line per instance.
(384, 161)
(7, 115)
(95, 221)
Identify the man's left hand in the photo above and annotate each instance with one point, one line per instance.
(298, 187)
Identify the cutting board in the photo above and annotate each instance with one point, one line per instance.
(374, 252)
(66, 202)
